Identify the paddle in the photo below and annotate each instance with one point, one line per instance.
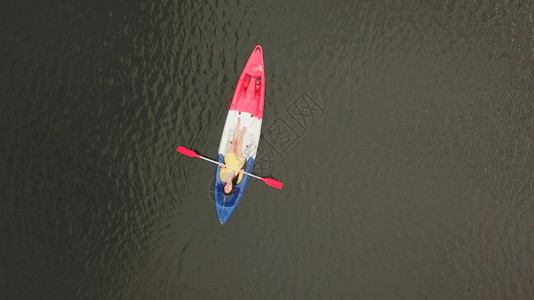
(268, 181)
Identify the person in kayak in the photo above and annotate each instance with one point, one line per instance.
(233, 158)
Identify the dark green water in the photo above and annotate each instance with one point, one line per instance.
(403, 132)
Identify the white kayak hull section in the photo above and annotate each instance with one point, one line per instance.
(252, 135)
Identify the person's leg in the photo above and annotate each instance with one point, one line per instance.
(239, 143)
(233, 146)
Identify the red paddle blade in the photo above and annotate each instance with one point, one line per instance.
(187, 152)
(274, 183)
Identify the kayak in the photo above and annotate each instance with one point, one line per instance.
(247, 105)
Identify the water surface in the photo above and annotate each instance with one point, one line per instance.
(411, 176)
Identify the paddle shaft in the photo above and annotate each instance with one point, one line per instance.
(215, 162)
(268, 181)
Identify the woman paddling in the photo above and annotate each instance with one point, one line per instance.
(234, 158)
